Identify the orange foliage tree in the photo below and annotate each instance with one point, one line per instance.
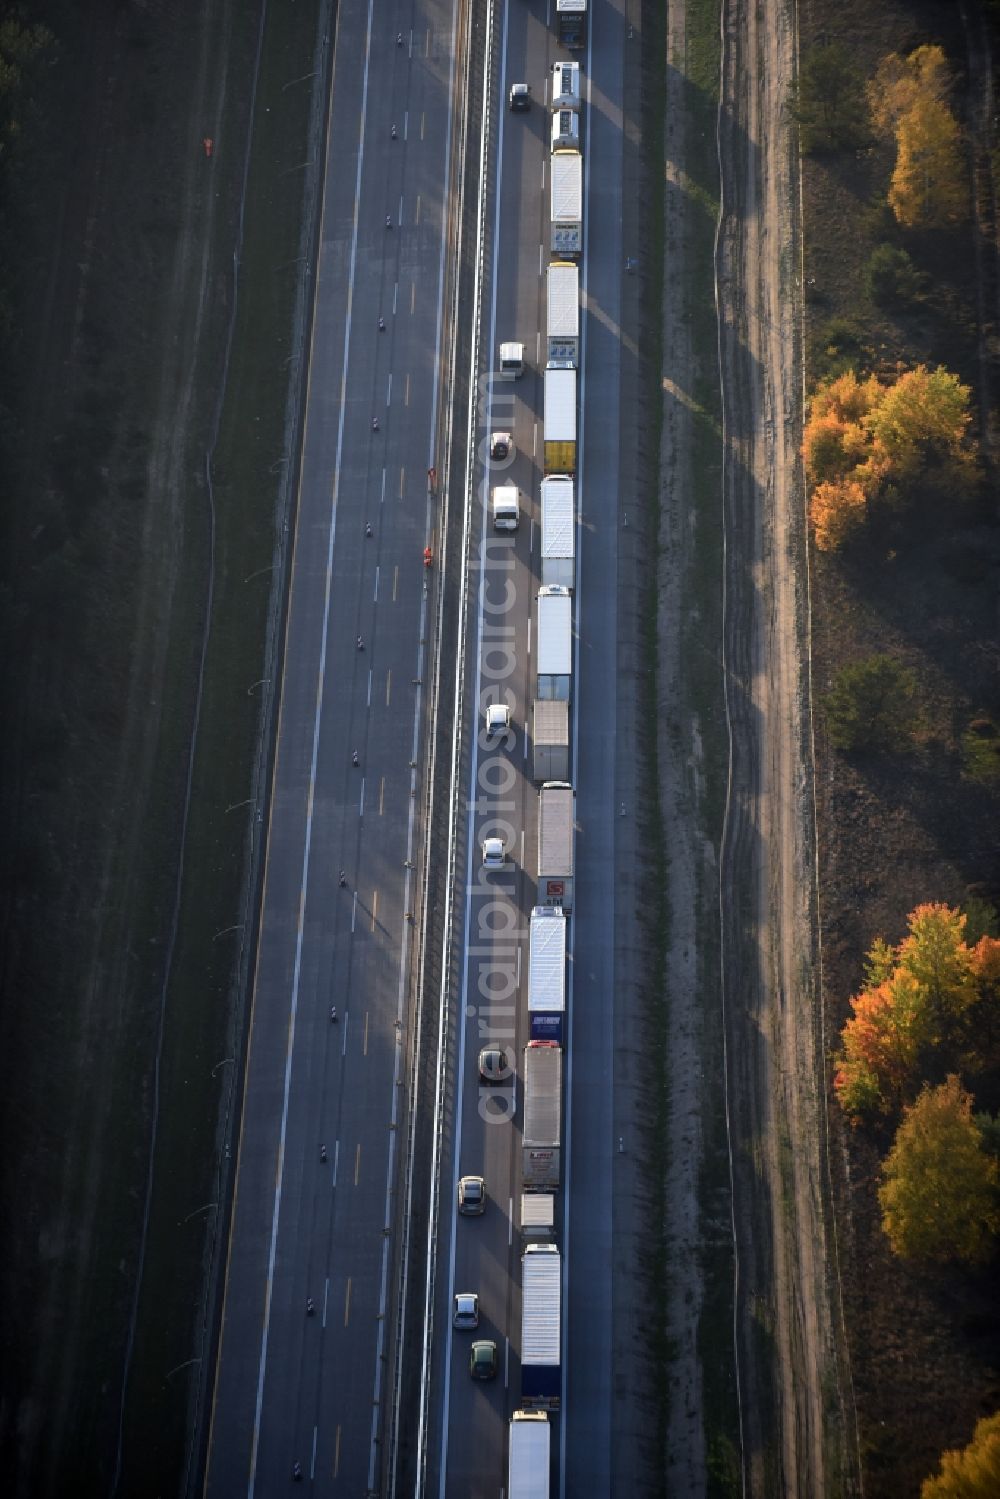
(908, 98)
(862, 435)
(916, 998)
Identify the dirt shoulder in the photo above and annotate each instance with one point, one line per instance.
(797, 1418)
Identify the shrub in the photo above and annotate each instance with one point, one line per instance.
(872, 705)
(891, 278)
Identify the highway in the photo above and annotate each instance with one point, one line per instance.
(467, 1444)
(291, 1388)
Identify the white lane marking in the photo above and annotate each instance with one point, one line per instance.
(312, 1463)
(375, 601)
(382, 496)
(541, 252)
(326, 1298)
(395, 294)
(406, 124)
(528, 651)
(510, 1209)
(522, 848)
(307, 849)
(401, 210)
(388, 393)
(361, 809)
(534, 439)
(369, 703)
(506, 1362)
(543, 174)
(336, 1162)
(538, 347)
(354, 909)
(343, 1044)
(519, 965)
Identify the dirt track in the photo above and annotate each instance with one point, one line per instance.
(796, 1421)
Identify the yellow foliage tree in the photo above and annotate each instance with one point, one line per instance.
(939, 1187)
(929, 188)
(935, 956)
(902, 84)
(922, 414)
(973, 1472)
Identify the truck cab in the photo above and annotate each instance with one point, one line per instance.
(565, 129)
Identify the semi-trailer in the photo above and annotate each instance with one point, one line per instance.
(541, 1137)
(550, 740)
(541, 1376)
(566, 201)
(547, 973)
(556, 817)
(562, 315)
(529, 1460)
(558, 531)
(554, 652)
(559, 422)
(571, 23)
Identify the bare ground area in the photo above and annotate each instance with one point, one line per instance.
(747, 1204)
(798, 1419)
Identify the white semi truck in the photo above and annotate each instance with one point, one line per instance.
(542, 1131)
(562, 315)
(554, 649)
(566, 201)
(559, 422)
(541, 1292)
(558, 532)
(556, 817)
(529, 1460)
(547, 973)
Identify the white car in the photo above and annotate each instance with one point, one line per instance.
(494, 853)
(466, 1315)
(497, 719)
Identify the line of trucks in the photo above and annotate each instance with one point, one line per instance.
(529, 1455)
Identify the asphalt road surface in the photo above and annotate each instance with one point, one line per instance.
(291, 1387)
(468, 1439)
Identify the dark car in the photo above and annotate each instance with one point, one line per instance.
(483, 1359)
(520, 96)
(495, 1065)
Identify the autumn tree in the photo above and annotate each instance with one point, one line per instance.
(902, 84)
(872, 705)
(828, 102)
(939, 1187)
(933, 995)
(974, 1471)
(922, 420)
(908, 98)
(863, 436)
(928, 189)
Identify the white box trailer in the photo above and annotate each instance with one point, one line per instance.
(550, 740)
(554, 645)
(506, 507)
(566, 201)
(559, 422)
(562, 315)
(529, 1456)
(547, 973)
(558, 531)
(541, 1305)
(556, 819)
